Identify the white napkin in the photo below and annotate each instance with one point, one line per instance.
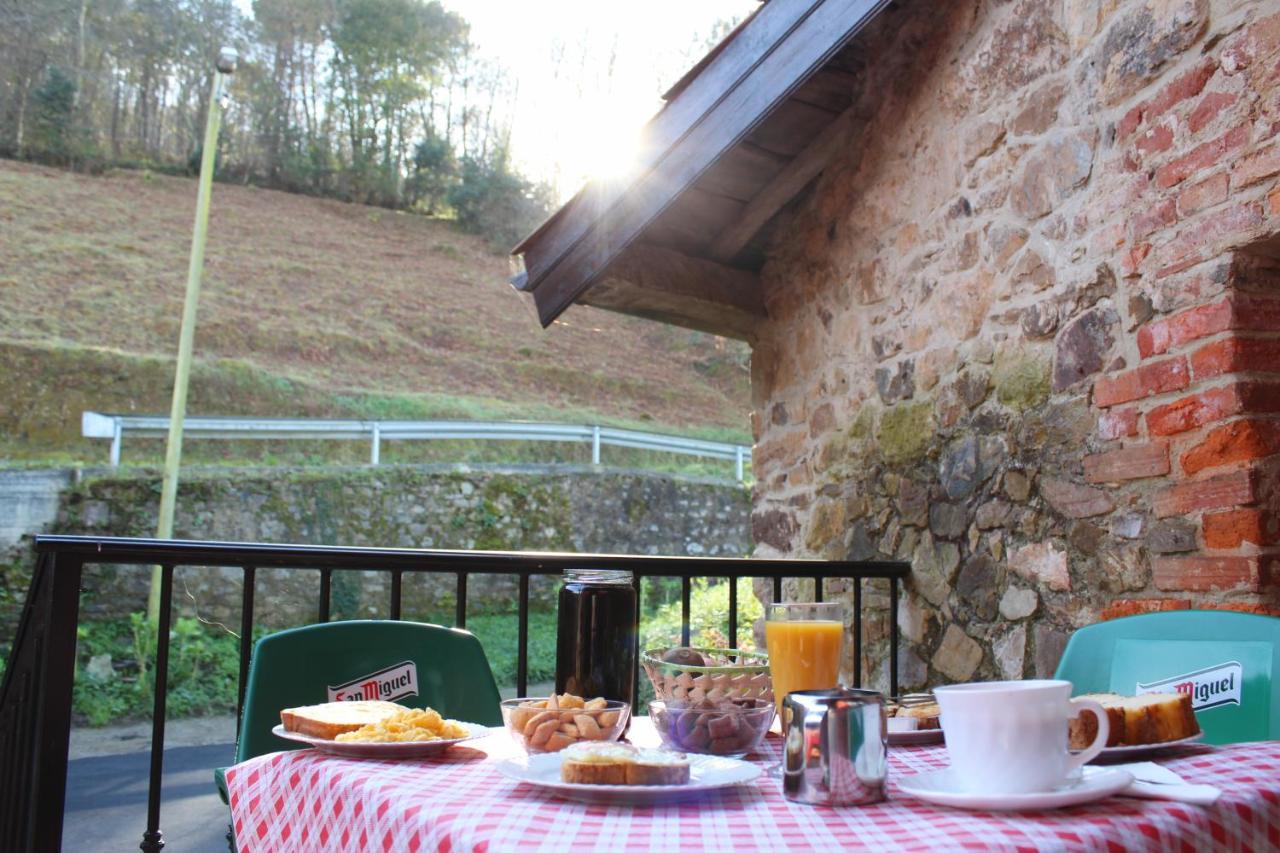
(1153, 782)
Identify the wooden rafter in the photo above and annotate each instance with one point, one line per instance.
(773, 195)
(662, 284)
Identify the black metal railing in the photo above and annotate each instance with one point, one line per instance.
(35, 697)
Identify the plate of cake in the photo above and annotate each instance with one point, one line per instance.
(1138, 725)
(374, 729)
(618, 773)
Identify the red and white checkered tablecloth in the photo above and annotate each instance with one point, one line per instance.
(303, 801)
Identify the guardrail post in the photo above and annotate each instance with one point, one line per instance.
(117, 438)
(737, 457)
(595, 445)
(375, 449)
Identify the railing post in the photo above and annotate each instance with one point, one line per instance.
(737, 456)
(35, 709)
(117, 438)
(153, 838)
(375, 448)
(595, 445)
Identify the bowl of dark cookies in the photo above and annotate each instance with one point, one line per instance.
(730, 727)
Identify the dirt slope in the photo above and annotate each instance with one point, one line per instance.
(346, 299)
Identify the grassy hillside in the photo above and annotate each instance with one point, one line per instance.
(309, 307)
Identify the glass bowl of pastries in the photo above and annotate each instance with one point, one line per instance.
(558, 721)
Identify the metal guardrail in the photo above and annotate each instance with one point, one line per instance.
(36, 691)
(114, 427)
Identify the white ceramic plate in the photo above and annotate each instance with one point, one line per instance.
(706, 773)
(384, 751)
(1128, 752)
(919, 737)
(938, 786)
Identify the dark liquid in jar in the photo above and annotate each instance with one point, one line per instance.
(595, 645)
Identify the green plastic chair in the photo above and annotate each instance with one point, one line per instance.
(1230, 662)
(298, 666)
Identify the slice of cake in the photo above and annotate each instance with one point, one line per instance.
(1083, 729)
(1136, 720)
(1158, 718)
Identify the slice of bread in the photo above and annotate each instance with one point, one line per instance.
(334, 718)
(597, 763)
(657, 767)
(926, 716)
(1136, 720)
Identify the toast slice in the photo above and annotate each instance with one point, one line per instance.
(926, 716)
(334, 718)
(657, 767)
(621, 764)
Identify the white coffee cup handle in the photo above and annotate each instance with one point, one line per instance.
(1079, 706)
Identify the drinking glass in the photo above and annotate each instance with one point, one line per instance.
(805, 642)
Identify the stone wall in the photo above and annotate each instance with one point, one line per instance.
(1025, 330)
(534, 508)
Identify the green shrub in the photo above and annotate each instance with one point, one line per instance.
(203, 669)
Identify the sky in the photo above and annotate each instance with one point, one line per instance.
(588, 73)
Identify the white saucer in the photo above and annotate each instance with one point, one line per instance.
(939, 787)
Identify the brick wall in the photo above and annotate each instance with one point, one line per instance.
(1025, 331)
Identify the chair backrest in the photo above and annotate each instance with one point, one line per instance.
(1229, 662)
(304, 666)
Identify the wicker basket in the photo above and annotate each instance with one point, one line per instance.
(734, 674)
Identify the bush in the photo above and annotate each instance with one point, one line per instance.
(708, 617)
(203, 669)
(204, 660)
(493, 200)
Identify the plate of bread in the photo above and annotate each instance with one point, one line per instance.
(619, 773)
(1152, 722)
(913, 721)
(374, 729)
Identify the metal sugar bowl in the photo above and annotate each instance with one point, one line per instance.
(835, 747)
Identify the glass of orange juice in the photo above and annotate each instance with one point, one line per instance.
(804, 641)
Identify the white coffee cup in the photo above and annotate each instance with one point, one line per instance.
(1010, 737)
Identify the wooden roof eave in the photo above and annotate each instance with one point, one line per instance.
(784, 43)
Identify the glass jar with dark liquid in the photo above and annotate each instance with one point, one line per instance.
(596, 641)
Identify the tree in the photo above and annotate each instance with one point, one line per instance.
(435, 172)
(387, 53)
(53, 134)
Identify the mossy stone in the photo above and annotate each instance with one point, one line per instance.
(905, 431)
(1022, 381)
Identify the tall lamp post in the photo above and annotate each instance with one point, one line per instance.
(228, 58)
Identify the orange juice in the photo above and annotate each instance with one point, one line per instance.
(803, 655)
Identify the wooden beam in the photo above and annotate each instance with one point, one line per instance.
(786, 42)
(773, 195)
(661, 284)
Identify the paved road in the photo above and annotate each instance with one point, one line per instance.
(107, 801)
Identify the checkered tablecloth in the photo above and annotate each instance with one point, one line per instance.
(303, 800)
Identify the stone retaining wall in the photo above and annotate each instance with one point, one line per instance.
(537, 508)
